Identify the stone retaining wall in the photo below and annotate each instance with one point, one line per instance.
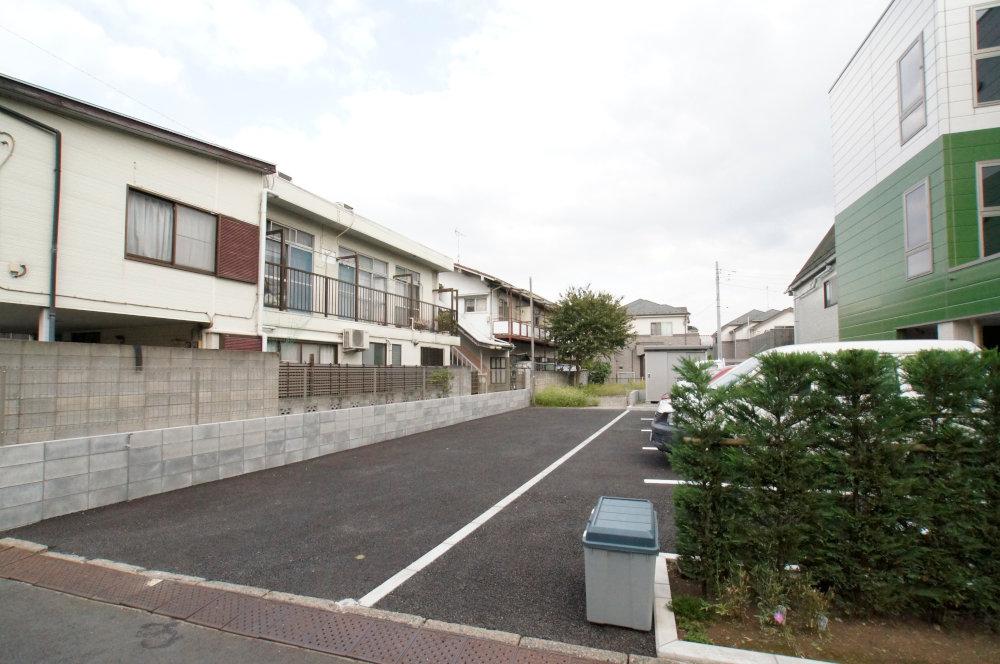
(47, 479)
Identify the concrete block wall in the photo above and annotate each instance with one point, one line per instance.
(62, 390)
(42, 480)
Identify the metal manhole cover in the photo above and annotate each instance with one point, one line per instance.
(384, 642)
(430, 647)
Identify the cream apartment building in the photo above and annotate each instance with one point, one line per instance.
(342, 289)
(113, 230)
(117, 231)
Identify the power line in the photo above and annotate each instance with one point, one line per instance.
(99, 80)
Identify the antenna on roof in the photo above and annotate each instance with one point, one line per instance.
(458, 245)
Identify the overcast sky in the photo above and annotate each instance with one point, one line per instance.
(628, 145)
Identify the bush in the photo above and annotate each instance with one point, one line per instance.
(610, 389)
(861, 553)
(817, 481)
(440, 380)
(598, 372)
(948, 479)
(706, 509)
(775, 415)
(563, 397)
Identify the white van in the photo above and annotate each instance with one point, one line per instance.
(662, 430)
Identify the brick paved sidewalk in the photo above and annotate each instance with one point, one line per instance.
(321, 625)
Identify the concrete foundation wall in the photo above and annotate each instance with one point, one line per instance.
(543, 379)
(47, 479)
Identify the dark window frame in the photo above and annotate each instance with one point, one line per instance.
(829, 286)
(173, 238)
(988, 53)
(984, 212)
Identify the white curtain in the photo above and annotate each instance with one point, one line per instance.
(195, 239)
(150, 226)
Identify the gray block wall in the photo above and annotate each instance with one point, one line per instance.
(62, 390)
(47, 479)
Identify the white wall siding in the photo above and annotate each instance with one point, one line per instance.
(641, 325)
(814, 322)
(865, 101)
(958, 101)
(99, 164)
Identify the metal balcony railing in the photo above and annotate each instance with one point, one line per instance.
(291, 289)
(516, 328)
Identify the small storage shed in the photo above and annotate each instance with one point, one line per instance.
(659, 365)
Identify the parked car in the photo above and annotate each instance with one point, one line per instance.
(663, 432)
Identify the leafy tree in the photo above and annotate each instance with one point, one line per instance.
(706, 508)
(599, 372)
(588, 325)
(947, 478)
(866, 544)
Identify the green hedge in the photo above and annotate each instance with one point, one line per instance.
(819, 476)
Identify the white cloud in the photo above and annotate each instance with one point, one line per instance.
(628, 147)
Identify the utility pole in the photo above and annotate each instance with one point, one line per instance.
(718, 315)
(531, 312)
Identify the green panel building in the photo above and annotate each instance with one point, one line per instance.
(916, 137)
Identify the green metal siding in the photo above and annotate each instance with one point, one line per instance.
(875, 297)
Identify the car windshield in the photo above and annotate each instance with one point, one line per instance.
(736, 373)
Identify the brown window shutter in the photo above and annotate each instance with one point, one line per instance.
(240, 342)
(237, 250)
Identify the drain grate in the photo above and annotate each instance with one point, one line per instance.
(430, 647)
(223, 610)
(326, 631)
(256, 618)
(31, 569)
(12, 555)
(181, 600)
(479, 651)
(384, 642)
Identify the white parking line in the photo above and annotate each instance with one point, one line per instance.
(645, 430)
(646, 419)
(423, 561)
(666, 482)
(649, 448)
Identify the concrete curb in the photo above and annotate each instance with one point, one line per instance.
(475, 632)
(574, 650)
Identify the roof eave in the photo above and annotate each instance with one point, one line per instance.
(67, 106)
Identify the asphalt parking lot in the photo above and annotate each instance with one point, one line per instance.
(339, 526)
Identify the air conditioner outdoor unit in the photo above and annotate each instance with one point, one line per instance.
(355, 340)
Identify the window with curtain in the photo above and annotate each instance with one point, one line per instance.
(374, 355)
(150, 231)
(195, 239)
(169, 232)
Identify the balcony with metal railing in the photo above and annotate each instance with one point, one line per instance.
(290, 289)
(515, 330)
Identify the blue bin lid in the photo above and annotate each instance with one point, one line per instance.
(622, 524)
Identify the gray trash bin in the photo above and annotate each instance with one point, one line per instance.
(620, 545)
